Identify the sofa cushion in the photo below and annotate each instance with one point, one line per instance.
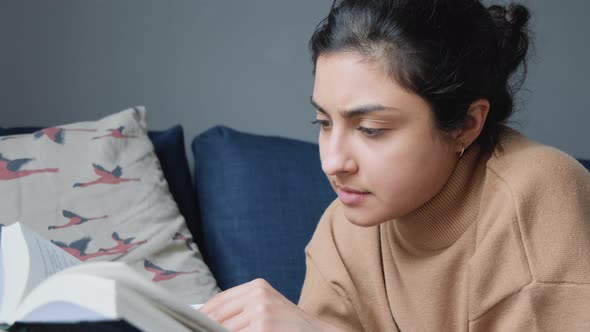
(169, 147)
(260, 199)
(97, 190)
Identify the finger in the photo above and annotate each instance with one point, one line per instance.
(237, 322)
(222, 298)
(254, 327)
(254, 293)
(237, 291)
(244, 329)
(230, 309)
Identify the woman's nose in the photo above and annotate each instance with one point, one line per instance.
(336, 157)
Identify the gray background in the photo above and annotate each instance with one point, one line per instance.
(240, 63)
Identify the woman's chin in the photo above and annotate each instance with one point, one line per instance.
(362, 218)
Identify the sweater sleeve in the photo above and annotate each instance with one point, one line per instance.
(540, 307)
(320, 299)
(324, 292)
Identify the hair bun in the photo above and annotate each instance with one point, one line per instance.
(513, 37)
(516, 16)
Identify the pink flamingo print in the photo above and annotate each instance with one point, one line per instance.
(178, 236)
(10, 169)
(74, 220)
(116, 133)
(187, 240)
(78, 249)
(106, 177)
(57, 134)
(160, 274)
(123, 245)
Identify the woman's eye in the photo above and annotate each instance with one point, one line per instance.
(371, 132)
(325, 124)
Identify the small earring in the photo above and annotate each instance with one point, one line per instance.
(462, 151)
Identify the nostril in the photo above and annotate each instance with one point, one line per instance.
(337, 166)
(329, 169)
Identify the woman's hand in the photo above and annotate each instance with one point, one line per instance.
(257, 306)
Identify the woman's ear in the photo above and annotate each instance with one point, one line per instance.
(473, 124)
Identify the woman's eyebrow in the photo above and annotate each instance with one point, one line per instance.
(357, 111)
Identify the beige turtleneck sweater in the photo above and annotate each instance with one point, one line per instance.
(505, 246)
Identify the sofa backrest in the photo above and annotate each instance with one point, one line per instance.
(260, 199)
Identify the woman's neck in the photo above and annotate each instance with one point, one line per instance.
(441, 221)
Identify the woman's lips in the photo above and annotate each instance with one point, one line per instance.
(350, 196)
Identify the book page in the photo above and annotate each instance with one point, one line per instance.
(46, 258)
(114, 290)
(28, 259)
(15, 266)
(130, 280)
(1, 269)
(55, 311)
(95, 298)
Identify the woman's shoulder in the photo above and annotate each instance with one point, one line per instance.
(519, 160)
(537, 203)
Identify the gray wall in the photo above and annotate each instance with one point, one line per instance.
(239, 63)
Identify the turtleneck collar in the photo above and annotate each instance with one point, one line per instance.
(443, 219)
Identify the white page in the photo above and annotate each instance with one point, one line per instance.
(1, 271)
(15, 266)
(99, 299)
(103, 300)
(138, 300)
(53, 312)
(46, 258)
(28, 260)
(131, 280)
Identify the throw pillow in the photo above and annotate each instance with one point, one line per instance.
(169, 147)
(96, 189)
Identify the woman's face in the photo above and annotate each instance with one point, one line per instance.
(379, 145)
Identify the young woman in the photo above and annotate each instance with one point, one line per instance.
(446, 219)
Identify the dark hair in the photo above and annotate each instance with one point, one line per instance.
(450, 52)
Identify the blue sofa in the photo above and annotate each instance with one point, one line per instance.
(254, 202)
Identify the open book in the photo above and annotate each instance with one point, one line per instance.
(41, 283)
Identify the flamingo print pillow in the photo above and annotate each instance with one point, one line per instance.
(97, 191)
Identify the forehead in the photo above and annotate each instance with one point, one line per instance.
(345, 76)
(348, 80)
